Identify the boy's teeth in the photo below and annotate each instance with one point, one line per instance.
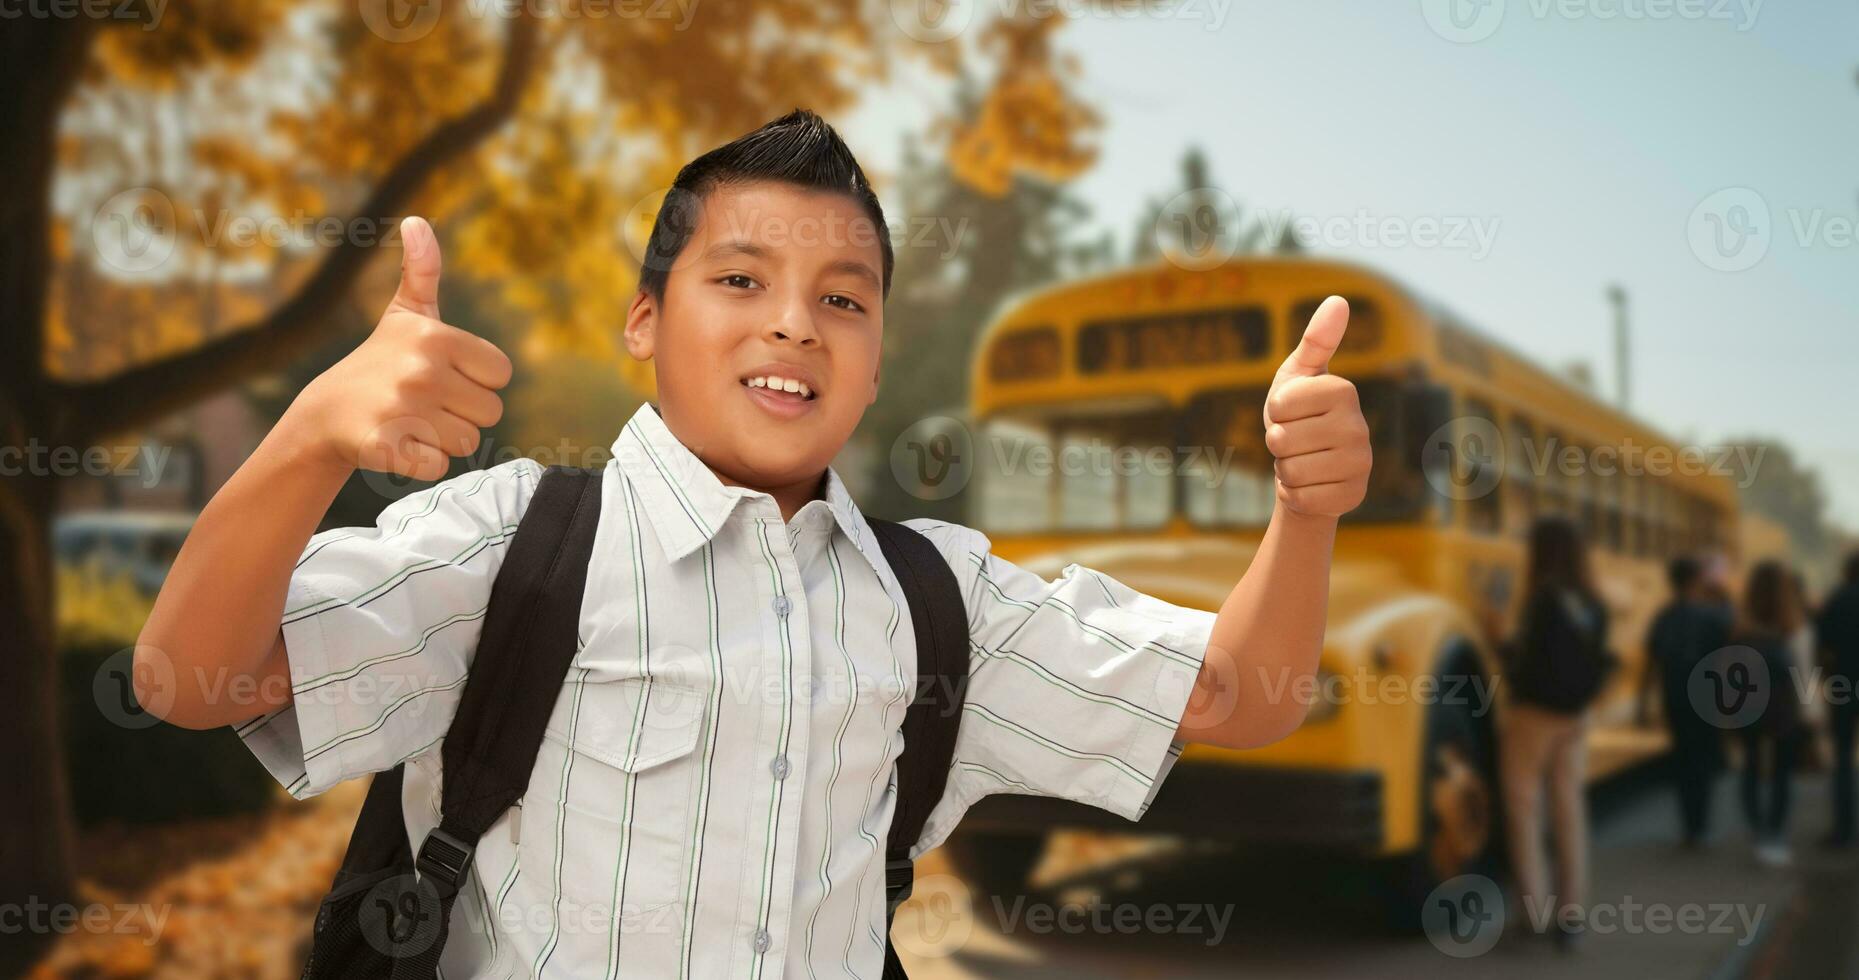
(781, 384)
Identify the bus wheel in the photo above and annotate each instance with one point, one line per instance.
(1460, 828)
(995, 866)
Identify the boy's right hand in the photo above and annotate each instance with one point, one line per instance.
(416, 391)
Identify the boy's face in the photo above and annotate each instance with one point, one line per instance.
(776, 280)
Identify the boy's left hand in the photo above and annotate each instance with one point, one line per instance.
(1314, 425)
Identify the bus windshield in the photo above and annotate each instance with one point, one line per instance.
(1132, 466)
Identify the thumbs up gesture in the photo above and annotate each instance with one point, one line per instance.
(1314, 425)
(416, 392)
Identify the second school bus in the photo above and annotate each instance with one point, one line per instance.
(1470, 442)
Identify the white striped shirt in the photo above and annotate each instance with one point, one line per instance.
(719, 766)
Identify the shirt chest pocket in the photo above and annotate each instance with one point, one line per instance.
(605, 821)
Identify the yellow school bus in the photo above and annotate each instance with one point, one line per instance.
(1396, 761)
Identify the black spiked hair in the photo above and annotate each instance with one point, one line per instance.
(799, 148)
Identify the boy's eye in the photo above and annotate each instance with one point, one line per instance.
(738, 280)
(844, 302)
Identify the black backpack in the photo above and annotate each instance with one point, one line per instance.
(1559, 659)
(388, 911)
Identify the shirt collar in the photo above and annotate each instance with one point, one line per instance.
(687, 504)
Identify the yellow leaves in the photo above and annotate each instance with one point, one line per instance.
(189, 35)
(1028, 123)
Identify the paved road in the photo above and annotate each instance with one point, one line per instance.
(1657, 912)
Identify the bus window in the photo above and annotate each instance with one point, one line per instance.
(1484, 512)
(1226, 470)
(1015, 494)
(1520, 453)
(1613, 485)
(1104, 471)
(1364, 333)
(1636, 487)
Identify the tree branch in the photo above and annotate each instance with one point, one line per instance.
(91, 409)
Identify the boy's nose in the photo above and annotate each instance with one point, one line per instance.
(794, 324)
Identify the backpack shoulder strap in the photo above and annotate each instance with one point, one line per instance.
(940, 619)
(529, 637)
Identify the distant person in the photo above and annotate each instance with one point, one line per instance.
(1772, 738)
(1688, 629)
(1717, 583)
(1555, 666)
(1837, 637)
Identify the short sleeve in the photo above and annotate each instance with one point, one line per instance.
(1077, 685)
(380, 626)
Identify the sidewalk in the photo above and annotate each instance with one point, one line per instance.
(1711, 915)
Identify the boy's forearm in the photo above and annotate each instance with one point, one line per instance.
(215, 622)
(1268, 636)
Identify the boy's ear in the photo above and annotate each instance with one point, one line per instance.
(641, 324)
(874, 382)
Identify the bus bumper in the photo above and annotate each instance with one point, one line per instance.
(1336, 809)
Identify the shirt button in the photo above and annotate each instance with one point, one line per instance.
(782, 605)
(780, 767)
(762, 942)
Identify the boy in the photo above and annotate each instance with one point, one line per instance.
(737, 830)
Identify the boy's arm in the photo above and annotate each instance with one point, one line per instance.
(1269, 632)
(415, 392)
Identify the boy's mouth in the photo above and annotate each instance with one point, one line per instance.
(779, 392)
(778, 386)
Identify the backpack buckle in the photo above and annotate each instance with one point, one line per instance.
(899, 879)
(444, 860)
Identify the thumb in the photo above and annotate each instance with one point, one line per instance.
(1321, 337)
(419, 268)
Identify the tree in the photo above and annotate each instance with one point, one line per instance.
(537, 134)
(1000, 221)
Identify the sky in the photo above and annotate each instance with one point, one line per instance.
(1701, 153)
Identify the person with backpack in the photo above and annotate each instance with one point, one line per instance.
(1554, 667)
(1836, 634)
(693, 714)
(1688, 629)
(1773, 734)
